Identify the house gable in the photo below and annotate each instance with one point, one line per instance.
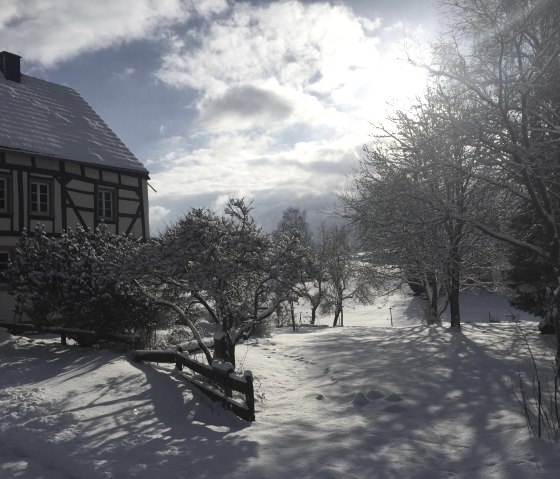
(50, 120)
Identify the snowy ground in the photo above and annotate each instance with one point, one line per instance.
(363, 401)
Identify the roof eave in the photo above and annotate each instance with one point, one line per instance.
(139, 172)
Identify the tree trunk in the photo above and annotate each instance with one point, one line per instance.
(293, 315)
(336, 313)
(341, 316)
(454, 304)
(454, 272)
(556, 322)
(432, 293)
(224, 349)
(314, 313)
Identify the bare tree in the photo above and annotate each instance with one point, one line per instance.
(347, 278)
(505, 55)
(409, 199)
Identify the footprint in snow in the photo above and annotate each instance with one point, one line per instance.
(374, 395)
(393, 398)
(394, 408)
(360, 400)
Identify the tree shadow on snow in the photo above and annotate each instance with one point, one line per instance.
(26, 360)
(189, 431)
(157, 425)
(433, 397)
(130, 420)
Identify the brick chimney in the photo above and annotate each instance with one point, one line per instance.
(9, 65)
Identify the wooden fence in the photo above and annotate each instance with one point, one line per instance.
(222, 380)
(84, 337)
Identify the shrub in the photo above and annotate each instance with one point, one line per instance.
(77, 281)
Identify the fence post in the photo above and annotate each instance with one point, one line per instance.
(224, 349)
(178, 363)
(250, 395)
(223, 369)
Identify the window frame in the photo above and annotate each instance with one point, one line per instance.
(9, 253)
(100, 204)
(49, 192)
(7, 194)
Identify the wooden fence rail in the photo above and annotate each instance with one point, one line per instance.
(84, 337)
(222, 380)
(221, 376)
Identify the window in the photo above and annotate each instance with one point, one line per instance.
(105, 204)
(4, 194)
(40, 197)
(4, 261)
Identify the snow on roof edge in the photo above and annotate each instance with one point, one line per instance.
(53, 120)
(144, 173)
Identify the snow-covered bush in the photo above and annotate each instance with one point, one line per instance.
(77, 281)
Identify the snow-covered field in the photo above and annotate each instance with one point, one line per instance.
(364, 401)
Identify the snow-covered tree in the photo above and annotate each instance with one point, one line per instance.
(311, 285)
(294, 222)
(225, 263)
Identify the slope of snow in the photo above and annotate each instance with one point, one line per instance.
(353, 402)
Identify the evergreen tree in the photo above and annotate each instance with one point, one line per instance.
(530, 276)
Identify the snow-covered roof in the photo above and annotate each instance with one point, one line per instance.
(43, 118)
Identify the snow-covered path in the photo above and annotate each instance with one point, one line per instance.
(353, 402)
(404, 402)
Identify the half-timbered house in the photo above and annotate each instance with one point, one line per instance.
(60, 165)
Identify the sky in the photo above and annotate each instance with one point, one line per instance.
(272, 101)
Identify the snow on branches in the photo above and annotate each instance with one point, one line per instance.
(225, 264)
(77, 281)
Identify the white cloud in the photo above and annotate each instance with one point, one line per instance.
(207, 8)
(159, 216)
(317, 47)
(51, 31)
(286, 94)
(321, 62)
(125, 73)
(158, 213)
(245, 165)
